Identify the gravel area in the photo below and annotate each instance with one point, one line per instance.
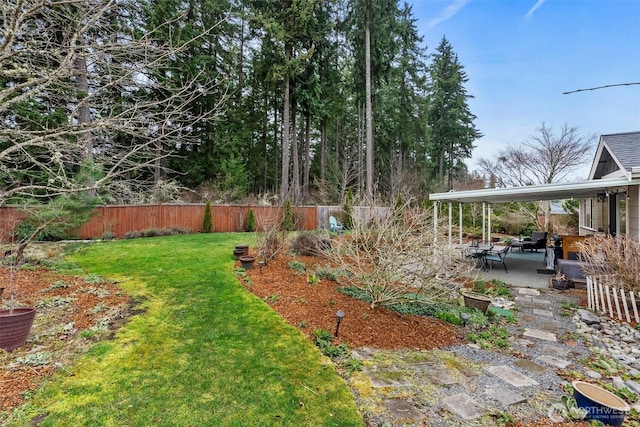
(467, 371)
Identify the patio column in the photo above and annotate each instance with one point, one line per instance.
(435, 221)
(489, 222)
(460, 220)
(484, 206)
(450, 225)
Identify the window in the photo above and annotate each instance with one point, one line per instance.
(587, 213)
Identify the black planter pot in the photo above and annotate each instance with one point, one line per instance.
(237, 253)
(247, 261)
(243, 248)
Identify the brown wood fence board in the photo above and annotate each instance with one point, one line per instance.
(120, 219)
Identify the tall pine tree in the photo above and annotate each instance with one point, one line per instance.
(449, 118)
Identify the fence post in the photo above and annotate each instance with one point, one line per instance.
(624, 303)
(601, 292)
(606, 289)
(615, 299)
(635, 307)
(590, 293)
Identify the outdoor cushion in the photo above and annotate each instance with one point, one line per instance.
(538, 240)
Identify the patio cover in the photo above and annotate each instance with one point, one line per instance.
(531, 193)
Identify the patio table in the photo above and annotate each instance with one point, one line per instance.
(516, 244)
(478, 253)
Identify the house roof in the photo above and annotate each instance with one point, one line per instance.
(618, 152)
(533, 193)
(616, 165)
(625, 148)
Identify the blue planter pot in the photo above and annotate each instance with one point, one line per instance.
(600, 404)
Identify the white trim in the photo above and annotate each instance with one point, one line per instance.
(582, 189)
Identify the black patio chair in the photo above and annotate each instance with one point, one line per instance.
(497, 256)
(538, 240)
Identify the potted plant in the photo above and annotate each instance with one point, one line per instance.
(559, 281)
(477, 296)
(15, 322)
(476, 300)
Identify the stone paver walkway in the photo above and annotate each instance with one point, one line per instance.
(456, 387)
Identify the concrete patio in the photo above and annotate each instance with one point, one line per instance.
(522, 270)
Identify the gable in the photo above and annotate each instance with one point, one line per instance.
(616, 153)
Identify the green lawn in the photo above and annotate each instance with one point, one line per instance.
(205, 351)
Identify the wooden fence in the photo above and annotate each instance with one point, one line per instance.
(616, 303)
(118, 220)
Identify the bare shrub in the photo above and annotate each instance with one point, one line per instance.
(270, 240)
(618, 258)
(395, 262)
(310, 243)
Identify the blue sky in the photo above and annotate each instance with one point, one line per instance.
(521, 55)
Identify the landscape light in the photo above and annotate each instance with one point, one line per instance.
(464, 317)
(339, 316)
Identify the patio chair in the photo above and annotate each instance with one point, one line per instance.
(335, 225)
(538, 240)
(497, 256)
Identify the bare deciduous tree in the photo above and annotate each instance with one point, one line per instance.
(544, 158)
(83, 89)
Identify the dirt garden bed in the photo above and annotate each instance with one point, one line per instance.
(72, 313)
(313, 306)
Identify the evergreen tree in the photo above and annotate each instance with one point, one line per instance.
(207, 220)
(288, 223)
(398, 211)
(251, 221)
(449, 119)
(348, 211)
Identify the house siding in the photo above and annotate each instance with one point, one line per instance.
(633, 212)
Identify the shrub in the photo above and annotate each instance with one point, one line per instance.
(396, 263)
(398, 211)
(251, 221)
(287, 216)
(323, 341)
(154, 232)
(618, 258)
(348, 210)
(310, 243)
(269, 244)
(207, 220)
(330, 273)
(297, 266)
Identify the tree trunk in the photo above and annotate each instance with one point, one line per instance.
(84, 111)
(265, 138)
(307, 159)
(323, 151)
(295, 184)
(369, 107)
(360, 148)
(284, 185)
(276, 153)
